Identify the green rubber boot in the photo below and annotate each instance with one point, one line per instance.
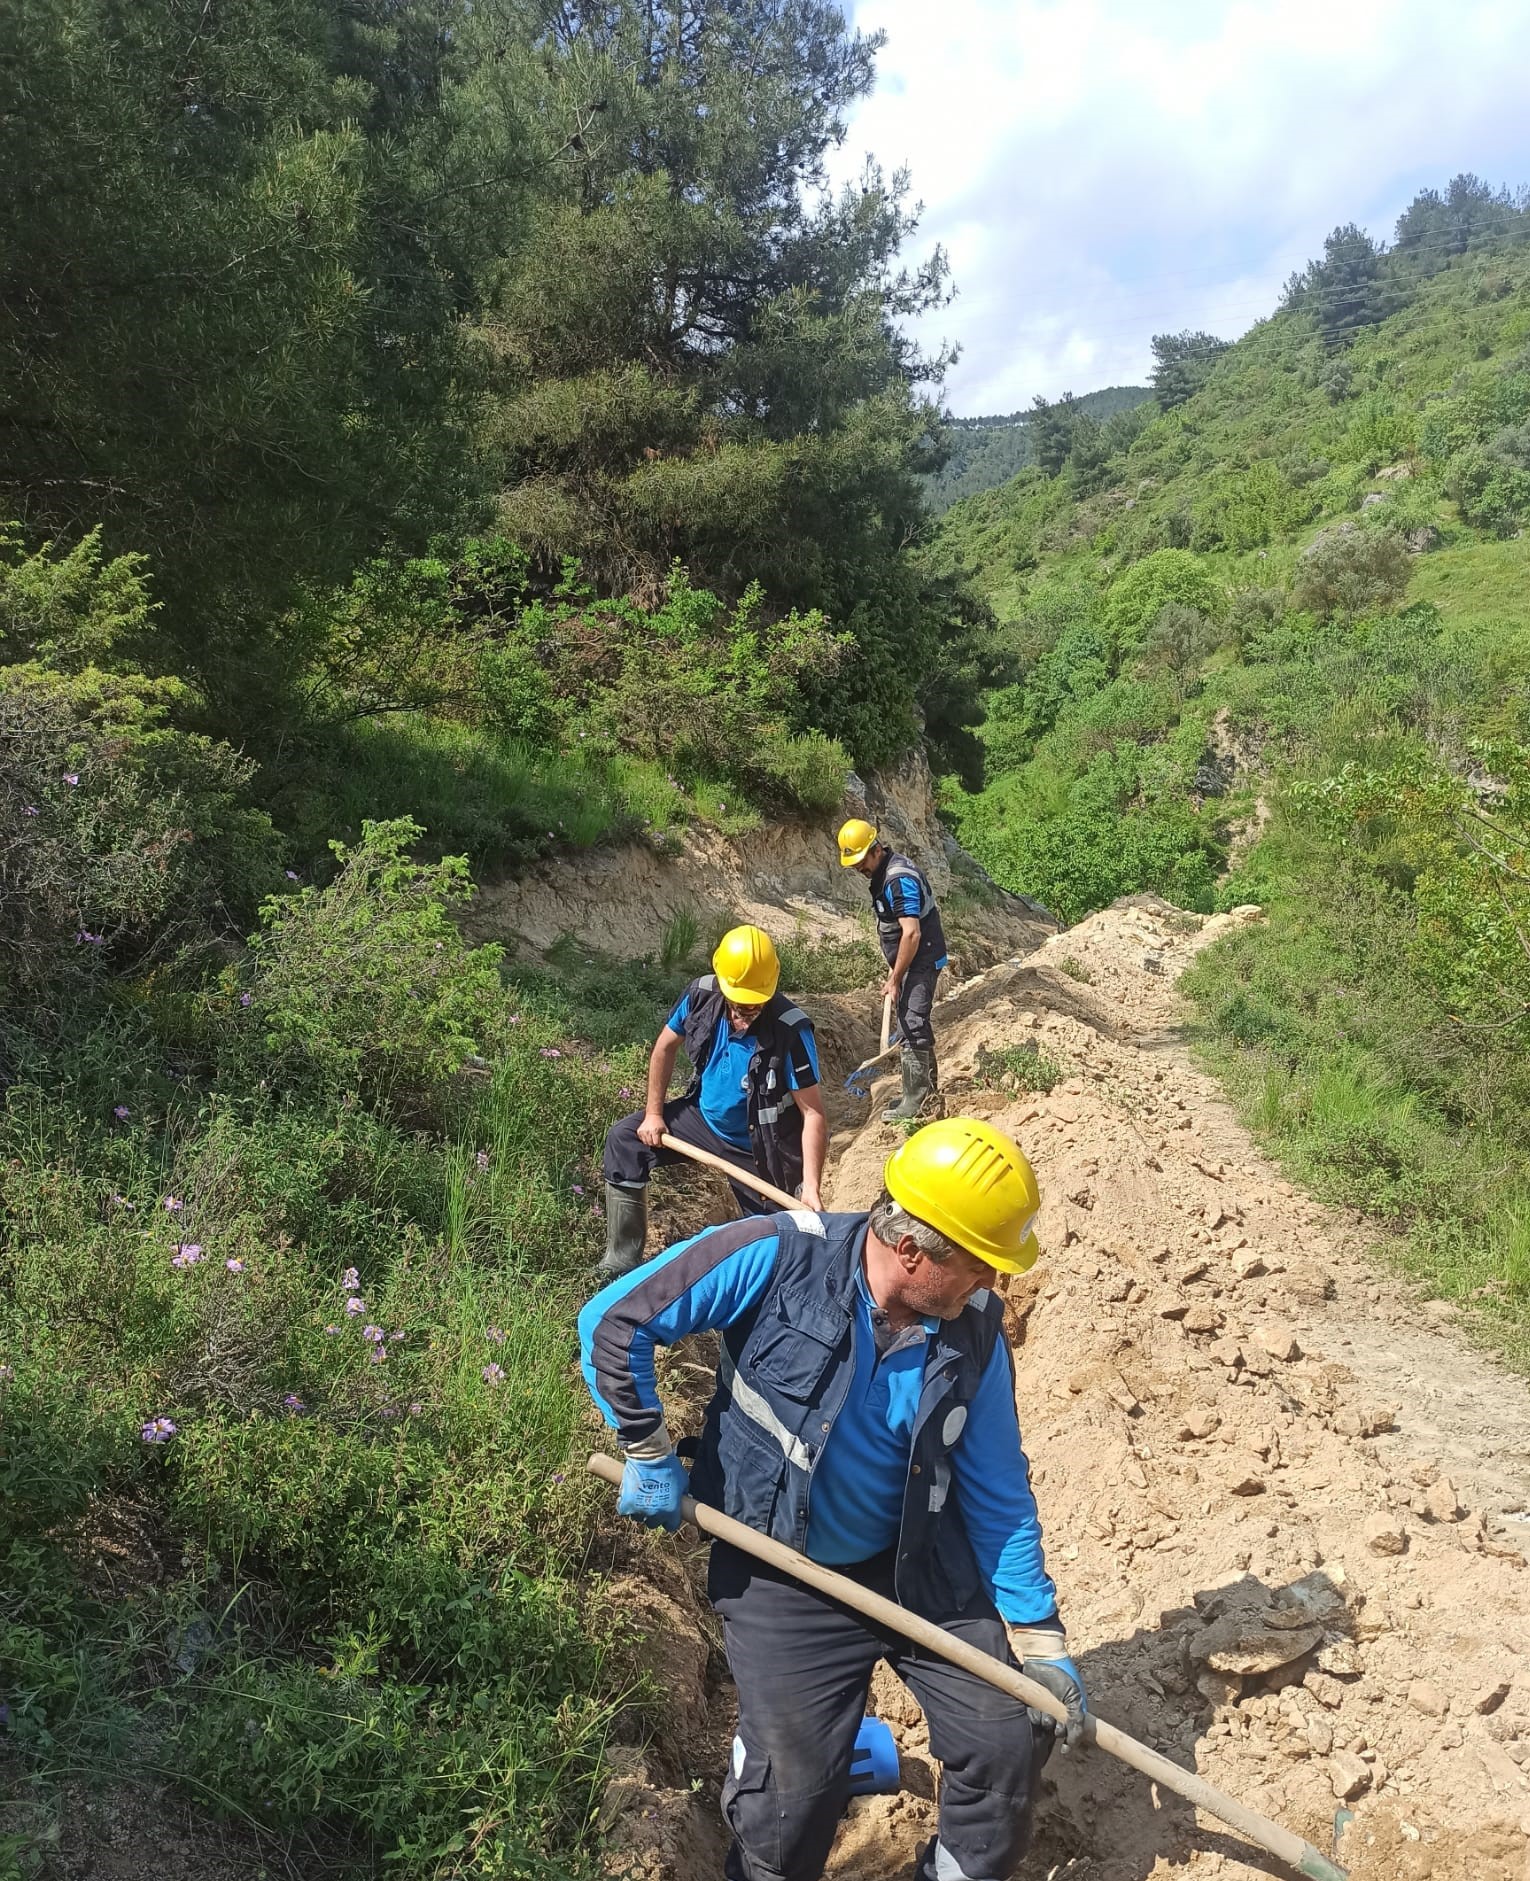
(626, 1229)
(918, 1070)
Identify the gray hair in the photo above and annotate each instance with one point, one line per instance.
(890, 1222)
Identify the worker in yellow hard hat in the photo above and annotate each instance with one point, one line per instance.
(913, 943)
(753, 1096)
(864, 1359)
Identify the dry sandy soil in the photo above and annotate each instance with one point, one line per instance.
(1285, 1500)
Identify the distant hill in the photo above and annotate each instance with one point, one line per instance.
(988, 451)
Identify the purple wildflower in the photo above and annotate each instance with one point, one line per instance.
(355, 1304)
(234, 1266)
(158, 1430)
(244, 999)
(173, 1204)
(492, 1375)
(29, 809)
(71, 778)
(294, 1404)
(395, 1335)
(372, 1332)
(121, 1201)
(551, 1051)
(291, 874)
(121, 1112)
(515, 1019)
(625, 1091)
(558, 1476)
(579, 1188)
(86, 939)
(377, 1354)
(350, 1280)
(331, 1332)
(496, 1335)
(482, 1159)
(415, 1409)
(390, 1410)
(187, 1254)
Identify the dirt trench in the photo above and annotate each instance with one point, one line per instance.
(1285, 1502)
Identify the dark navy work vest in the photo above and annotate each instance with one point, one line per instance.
(785, 1370)
(775, 1122)
(932, 936)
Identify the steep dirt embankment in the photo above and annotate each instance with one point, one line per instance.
(786, 877)
(1279, 1495)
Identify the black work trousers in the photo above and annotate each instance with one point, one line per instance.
(803, 1663)
(916, 998)
(629, 1160)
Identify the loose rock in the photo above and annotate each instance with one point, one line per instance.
(1384, 1534)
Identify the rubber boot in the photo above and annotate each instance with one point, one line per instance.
(626, 1229)
(918, 1070)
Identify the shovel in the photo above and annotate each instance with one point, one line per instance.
(858, 1084)
(1283, 1843)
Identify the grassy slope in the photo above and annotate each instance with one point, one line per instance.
(1330, 1038)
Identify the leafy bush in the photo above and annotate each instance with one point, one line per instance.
(121, 834)
(1348, 571)
(70, 608)
(1178, 640)
(1168, 576)
(368, 984)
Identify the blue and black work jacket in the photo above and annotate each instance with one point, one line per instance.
(775, 1122)
(781, 1291)
(899, 889)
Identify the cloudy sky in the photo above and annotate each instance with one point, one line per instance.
(1102, 170)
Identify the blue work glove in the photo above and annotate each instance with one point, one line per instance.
(1043, 1655)
(651, 1490)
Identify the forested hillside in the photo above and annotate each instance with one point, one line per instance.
(1278, 650)
(430, 436)
(985, 452)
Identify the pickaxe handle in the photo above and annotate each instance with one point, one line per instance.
(1270, 1836)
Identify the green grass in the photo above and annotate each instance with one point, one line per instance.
(1343, 1069)
(476, 793)
(391, 1645)
(1016, 1068)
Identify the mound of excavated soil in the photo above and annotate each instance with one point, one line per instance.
(1274, 1487)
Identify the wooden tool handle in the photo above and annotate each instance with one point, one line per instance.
(732, 1172)
(1278, 1841)
(887, 1006)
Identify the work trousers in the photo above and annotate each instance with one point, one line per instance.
(803, 1663)
(916, 997)
(630, 1161)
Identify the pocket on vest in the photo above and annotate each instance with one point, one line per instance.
(794, 1356)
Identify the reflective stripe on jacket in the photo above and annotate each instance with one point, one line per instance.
(932, 936)
(784, 1370)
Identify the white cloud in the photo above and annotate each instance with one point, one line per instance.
(1102, 170)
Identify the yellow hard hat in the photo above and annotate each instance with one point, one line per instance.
(746, 966)
(974, 1184)
(855, 838)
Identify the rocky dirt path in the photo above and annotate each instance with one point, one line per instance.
(1279, 1494)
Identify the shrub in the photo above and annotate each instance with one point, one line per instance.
(68, 608)
(119, 832)
(1138, 596)
(368, 984)
(1348, 571)
(1178, 640)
